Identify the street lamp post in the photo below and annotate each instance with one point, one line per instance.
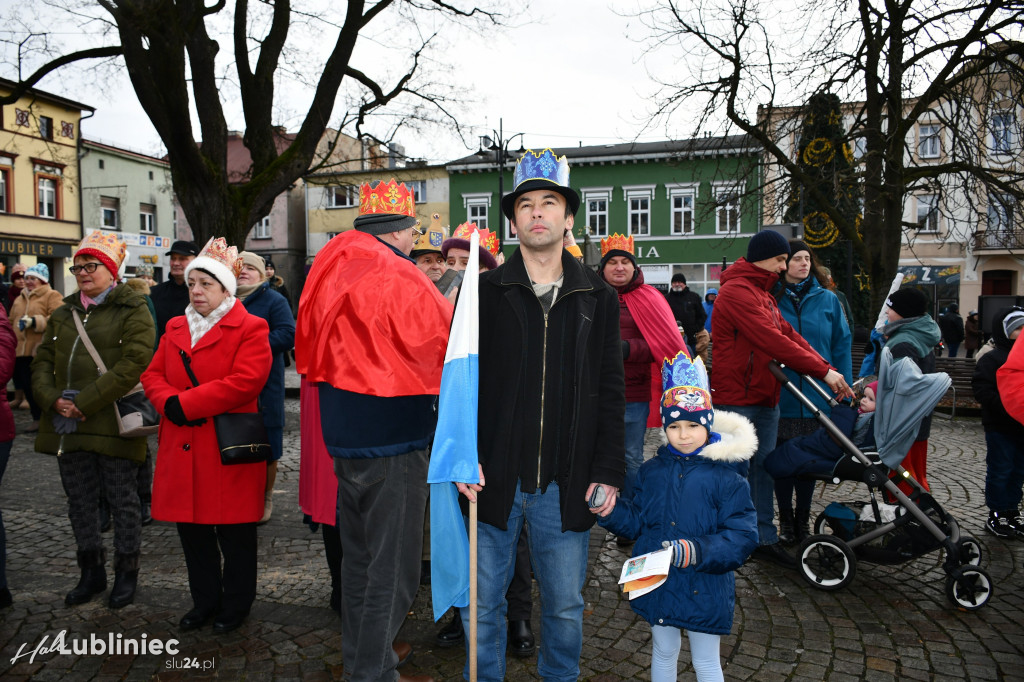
(499, 146)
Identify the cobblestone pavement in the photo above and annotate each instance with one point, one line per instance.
(891, 623)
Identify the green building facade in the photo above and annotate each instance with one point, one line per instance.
(689, 205)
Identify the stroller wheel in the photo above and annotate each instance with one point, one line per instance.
(969, 587)
(826, 562)
(821, 526)
(970, 551)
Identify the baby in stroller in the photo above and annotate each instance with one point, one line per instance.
(818, 453)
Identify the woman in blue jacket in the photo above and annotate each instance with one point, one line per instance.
(262, 301)
(691, 497)
(817, 314)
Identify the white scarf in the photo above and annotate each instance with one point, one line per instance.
(199, 325)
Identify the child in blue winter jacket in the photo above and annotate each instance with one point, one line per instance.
(691, 498)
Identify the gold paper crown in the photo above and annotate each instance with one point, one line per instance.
(617, 242)
(488, 239)
(105, 243)
(217, 249)
(387, 198)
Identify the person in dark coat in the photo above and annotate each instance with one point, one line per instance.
(952, 327)
(551, 354)
(1004, 435)
(215, 506)
(973, 337)
(170, 298)
(276, 282)
(262, 301)
(691, 497)
(687, 309)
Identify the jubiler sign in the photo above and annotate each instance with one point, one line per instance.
(19, 247)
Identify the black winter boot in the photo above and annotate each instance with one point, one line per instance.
(126, 577)
(94, 577)
(786, 535)
(802, 525)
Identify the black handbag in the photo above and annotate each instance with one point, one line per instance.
(136, 416)
(241, 436)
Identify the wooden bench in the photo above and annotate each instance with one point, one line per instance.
(961, 371)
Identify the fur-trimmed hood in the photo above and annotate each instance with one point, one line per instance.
(738, 440)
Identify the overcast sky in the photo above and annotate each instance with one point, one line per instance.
(565, 74)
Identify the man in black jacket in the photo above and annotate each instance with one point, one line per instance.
(550, 420)
(688, 310)
(170, 298)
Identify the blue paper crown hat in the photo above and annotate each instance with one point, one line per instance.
(686, 392)
(540, 170)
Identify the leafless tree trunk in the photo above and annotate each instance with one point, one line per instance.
(171, 56)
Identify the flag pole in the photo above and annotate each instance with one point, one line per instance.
(472, 591)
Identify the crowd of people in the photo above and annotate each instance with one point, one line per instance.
(574, 365)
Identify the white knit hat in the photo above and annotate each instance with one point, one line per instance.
(221, 261)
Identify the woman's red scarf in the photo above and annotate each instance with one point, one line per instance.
(654, 318)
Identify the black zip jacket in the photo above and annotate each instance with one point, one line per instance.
(552, 396)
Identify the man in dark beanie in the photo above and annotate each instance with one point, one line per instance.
(687, 309)
(749, 332)
(170, 298)
(379, 373)
(910, 332)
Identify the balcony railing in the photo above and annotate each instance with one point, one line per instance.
(999, 240)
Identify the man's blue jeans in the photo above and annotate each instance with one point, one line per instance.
(1004, 472)
(762, 485)
(636, 429)
(560, 566)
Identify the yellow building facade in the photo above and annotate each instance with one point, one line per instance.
(40, 197)
(332, 199)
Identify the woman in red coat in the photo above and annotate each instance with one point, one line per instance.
(216, 507)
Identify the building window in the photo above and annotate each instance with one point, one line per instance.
(342, 197)
(681, 199)
(638, 208)
(47, 197)
(262, 228)
(109, 212)
(150, 175)
(147, 218)
(46, 127)
(928, 141)
(419, 190)
(5, 190)
(727, 209)
(928, 212)
(477, 208)
(102, 164)
(860, 148)
(1000, 213)
(596, 201)
(1002, 131)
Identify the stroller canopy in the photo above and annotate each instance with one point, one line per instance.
(905, 397)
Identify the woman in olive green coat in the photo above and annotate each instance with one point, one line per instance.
(79, 425)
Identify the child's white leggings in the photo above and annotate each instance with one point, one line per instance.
(704, 654)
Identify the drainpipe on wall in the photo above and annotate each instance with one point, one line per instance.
(82, 152)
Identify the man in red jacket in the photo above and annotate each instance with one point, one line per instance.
(749, 331)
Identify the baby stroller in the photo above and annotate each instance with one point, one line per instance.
(862, 531)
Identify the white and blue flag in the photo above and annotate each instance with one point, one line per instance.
(453, 458)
